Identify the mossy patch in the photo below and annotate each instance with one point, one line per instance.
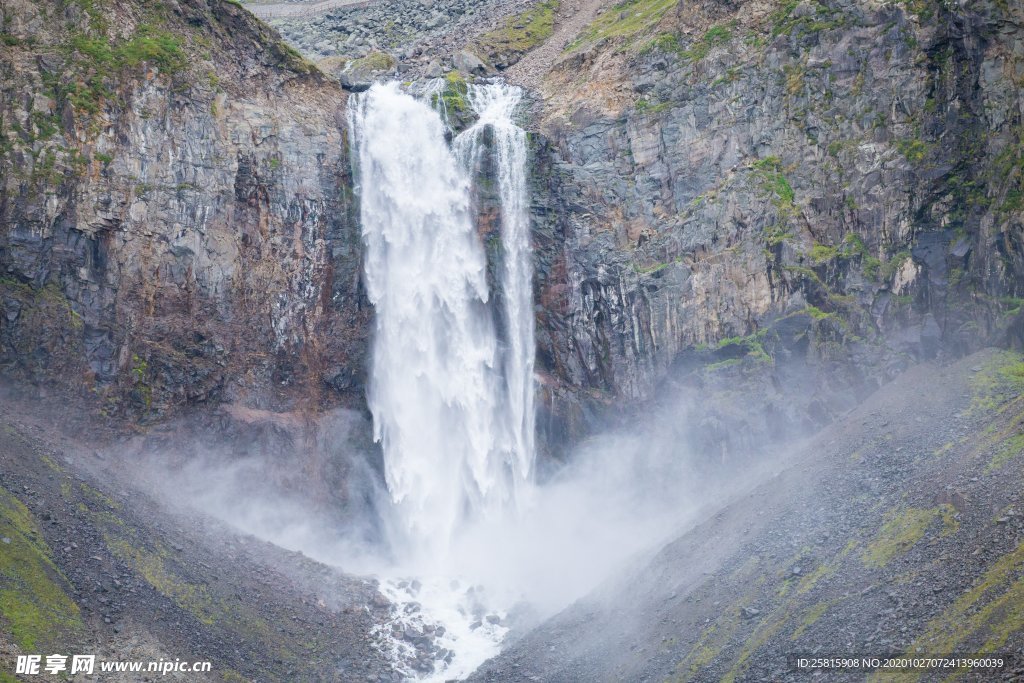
(372, 62)
(453, 99)
(772, 179)
(753, 344)
(999, 380)
(34, 605)
(902, 529)
(709, 646)
(149, 45)
(810, 617)
(625, 22)
(521, 32)
(1011, 448)
(985, 616)
(155, 563)
(715, 36)
(822, 253)
(193, 598)
(785, 21)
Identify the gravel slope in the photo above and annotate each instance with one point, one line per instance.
(897, 530)
(133, 580)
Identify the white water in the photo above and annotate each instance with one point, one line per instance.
(452, 404)
(495, 106)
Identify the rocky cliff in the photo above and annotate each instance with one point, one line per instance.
(748, 197)
(755, 194)
(175, 223)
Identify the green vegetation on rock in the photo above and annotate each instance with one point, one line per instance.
(698, 50)
(625, 21)
(34, 605)
(149, 45)
(454, 97)
(522, 31)
(753, 344)
(769, 175)
(902, 529)
(999, 380)
(784, 20)
(374, 61)
(986, 615)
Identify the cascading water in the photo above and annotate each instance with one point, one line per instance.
(495, 106)
(452, 403)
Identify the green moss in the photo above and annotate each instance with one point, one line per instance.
(98, 497)
(777, 233)
(924, 10)
(149, 45)
(374, 61)
(193, 598)
(986, 616)
(293, 59)
(753, 344)
(772, 180)
(1000, 380)
(653, 268)
(34, 605)
(157, 565)
(1012, 448)
(454, 98)
(902, 529)
(625, 22)
(810, 617)
(140, 379)
(824, 18)
(913, 150)
(722, 365)
(646, 106)
(794, 74)
(764, 632)
(95, 61)
(523, 31)
(821, 253)
(886, 270)
(699, 49)
(709, 646)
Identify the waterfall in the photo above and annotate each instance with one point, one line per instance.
(495, 106)
(452, 403)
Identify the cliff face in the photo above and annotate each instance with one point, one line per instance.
(753, 197)
(753, 194)
(175, 219)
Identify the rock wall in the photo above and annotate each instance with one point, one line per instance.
(175, 210)
(783, 200)
(748, 197)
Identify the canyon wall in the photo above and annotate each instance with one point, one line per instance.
(751, 197)
(743, 200)
(176, 223)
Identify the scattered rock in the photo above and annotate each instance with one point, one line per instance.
(469, 64)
